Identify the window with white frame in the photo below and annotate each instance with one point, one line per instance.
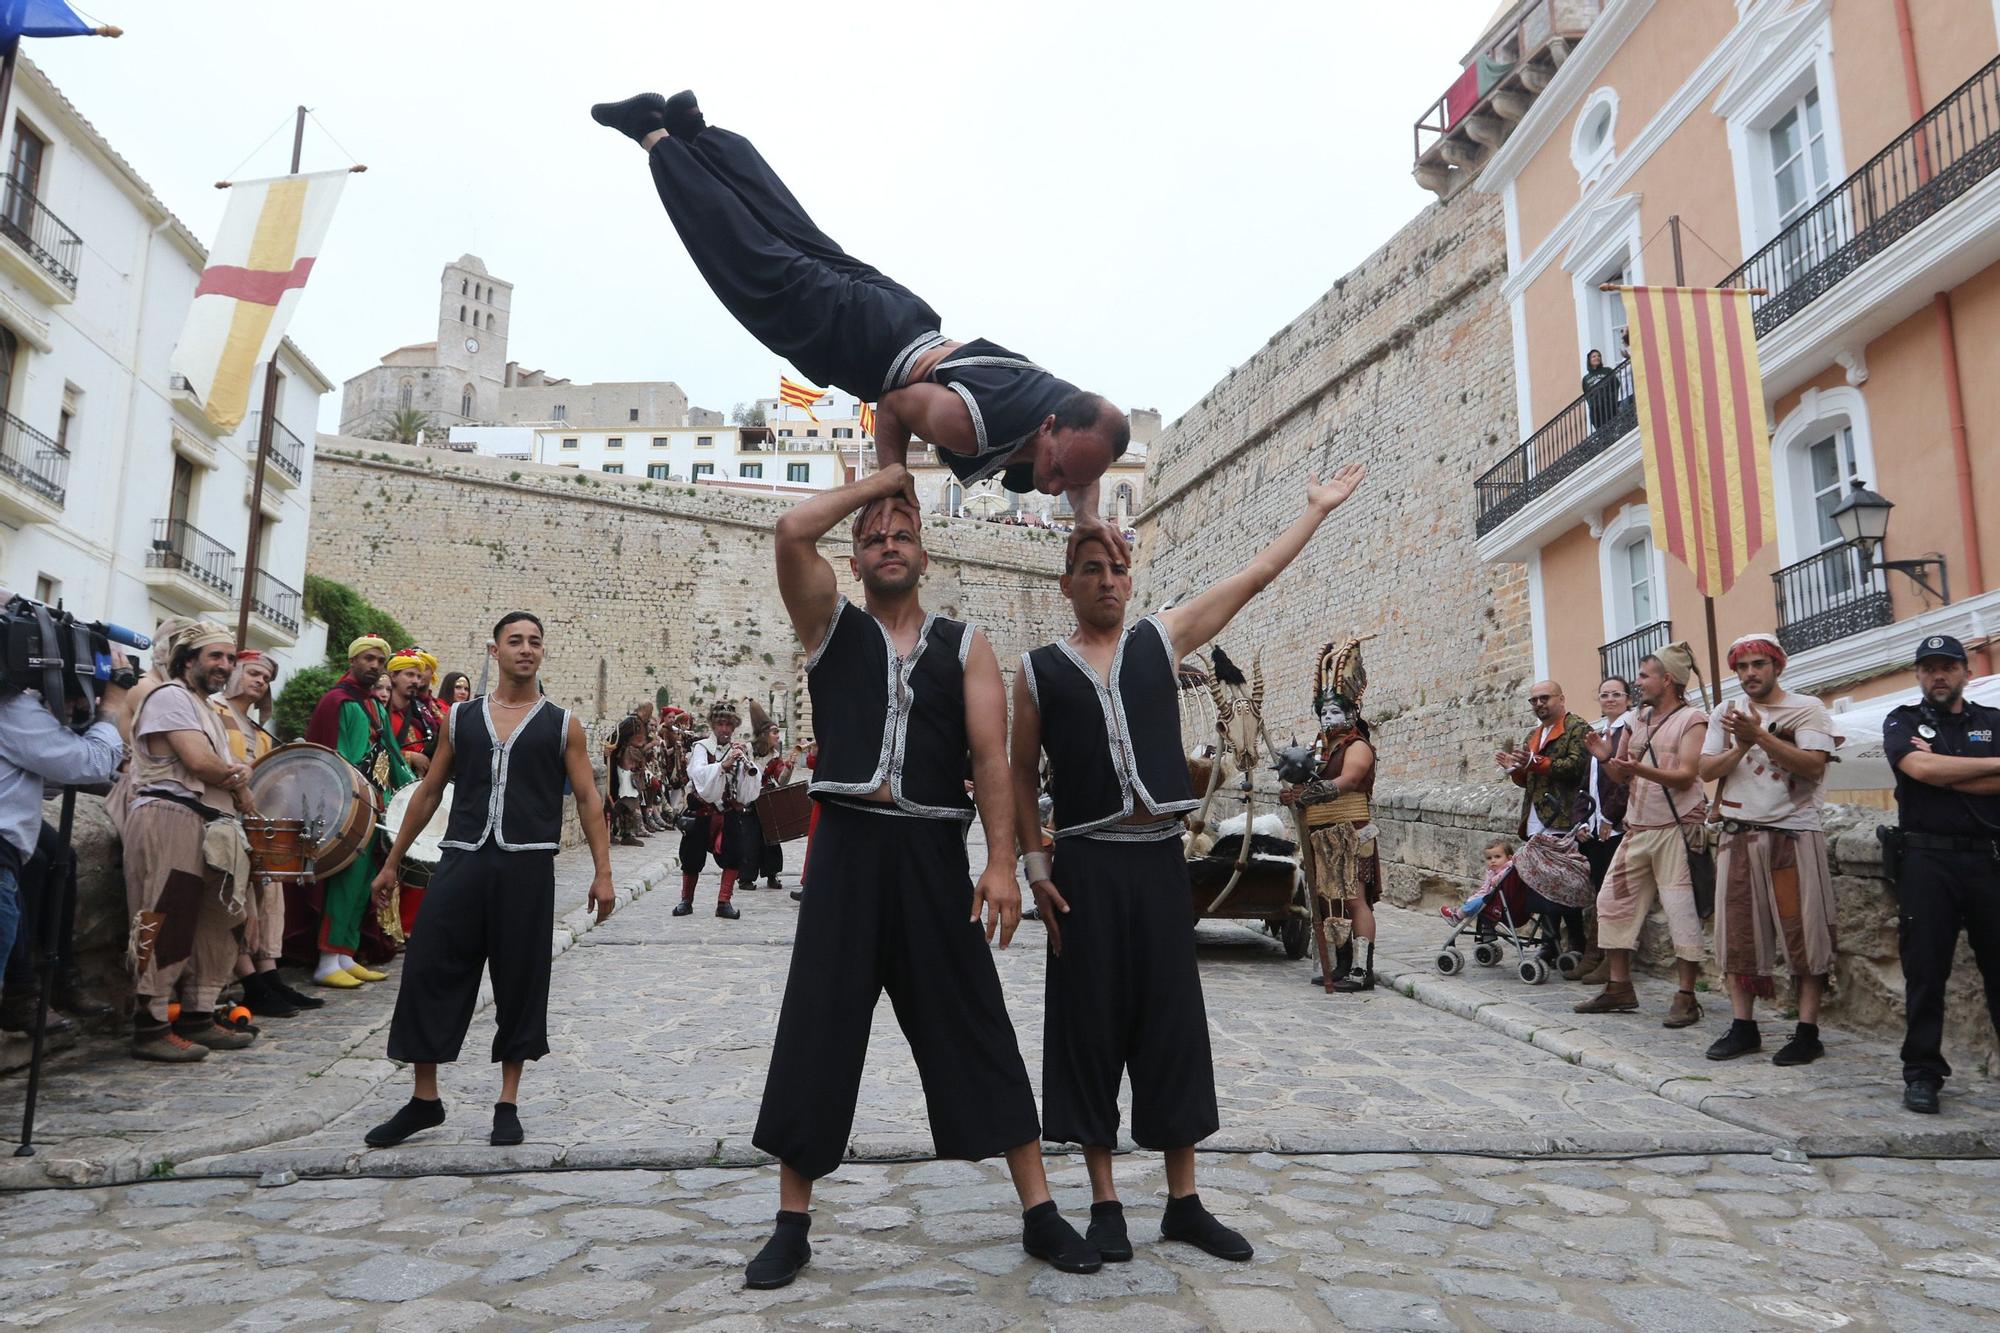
(1818, 451)
(615, 442)
(1592, 146)
(1634, 565)
(569, 442)
(1631, 574)
(954, 497)
(1782, 113)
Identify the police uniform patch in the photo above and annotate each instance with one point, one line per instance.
(1927, 731)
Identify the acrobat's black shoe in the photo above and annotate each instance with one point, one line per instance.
(635, 117)
(684, 115)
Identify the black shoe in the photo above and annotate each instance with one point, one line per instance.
(77, 999)
(1802, 1049)
(683, 114)
(17, 1014)
(416, 1114)
(685, 907)
(294, 998)
(773, 885)
(1922, 1096)
(1741, 1039)
(1046, 1236)
(783, 1255)
(266, 998)
(727, 911)
(635, 117)
(1107, 1232)
(506, 1125)
(798, 895)
(1186, 1220)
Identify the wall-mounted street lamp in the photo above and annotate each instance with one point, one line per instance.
(1863, 519)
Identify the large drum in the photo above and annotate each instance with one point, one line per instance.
(421, 858)
(328, 795)
(785, 812)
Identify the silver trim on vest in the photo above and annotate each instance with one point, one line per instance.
(899, 369)
(1028, 675)
(498, 760)
(832, 624)
(978, 420)
(1118, 731)
(1155, 832)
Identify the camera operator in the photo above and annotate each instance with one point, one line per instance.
(1947, 762)
(186, 868)
(37, 749)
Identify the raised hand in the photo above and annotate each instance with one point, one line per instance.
(1327, 496)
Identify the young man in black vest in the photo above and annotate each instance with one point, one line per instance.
(491, 903)
(1122, 988)
(900, 697)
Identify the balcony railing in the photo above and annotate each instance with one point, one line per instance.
(277, 602)
(179, 545)
(1621, 657)
(32, 460)
(26, 222)
(288, 451)
(1830, 596)
(1954, 147)
(1574, 436)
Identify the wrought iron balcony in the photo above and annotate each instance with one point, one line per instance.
(277, 602)
(1621, 657)
(42, 235)
(179, 545)
(32, 460)
(1575, 435)
(1954, 147)
(288, 451)
(1829, 596)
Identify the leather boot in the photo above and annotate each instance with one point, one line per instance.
(1685, 1013)
(1362, 977)
(1594, 969)
(1343, 963)
(1617, 997)
(78, 999)
(18, 1009)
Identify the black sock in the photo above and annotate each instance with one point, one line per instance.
(1107, 1231)
(1046, 1235)
(1743, 1027)
(635, 117)
(1806, 1032)
(1186, 1220)
(784, 1254)
(506, 1125)
(416, 1114)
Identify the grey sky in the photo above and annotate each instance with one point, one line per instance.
(1136, 195)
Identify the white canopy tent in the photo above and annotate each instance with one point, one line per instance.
(1861, 765)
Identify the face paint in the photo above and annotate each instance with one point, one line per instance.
(1332, 717)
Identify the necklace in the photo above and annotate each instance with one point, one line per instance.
(502, 703)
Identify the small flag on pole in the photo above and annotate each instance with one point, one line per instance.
(800, 395)
(264, 251)
(1706, 442)
(868, 420)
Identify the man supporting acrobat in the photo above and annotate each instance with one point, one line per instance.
(1113, 894)
(899, 696)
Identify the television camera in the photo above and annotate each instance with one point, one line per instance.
(68, 660)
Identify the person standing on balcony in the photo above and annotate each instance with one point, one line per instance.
(1946, 752)
(1600, 390)
(1768, 752)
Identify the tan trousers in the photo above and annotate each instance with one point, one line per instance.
(183, 933)
(1649, 864)
(263, 933)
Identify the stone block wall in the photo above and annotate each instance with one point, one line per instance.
(1406, 365)
(1432, 835)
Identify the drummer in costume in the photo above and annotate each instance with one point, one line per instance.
(778, 765)
(1122, 990)
(347, 721)
(899, 697)
(723, 782)
(1336, 823)
(491, 904)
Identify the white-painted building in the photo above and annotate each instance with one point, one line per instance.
(738, 455)
(116, 494)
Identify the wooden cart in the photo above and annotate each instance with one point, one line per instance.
(1273, 892)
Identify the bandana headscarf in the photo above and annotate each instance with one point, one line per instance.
(1766, 644)
(364, 643)
(202, 634)
(250, 657)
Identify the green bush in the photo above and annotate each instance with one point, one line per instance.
(300, 693)
(348, 616)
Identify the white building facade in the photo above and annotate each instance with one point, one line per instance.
(735, 455)
(117, 496)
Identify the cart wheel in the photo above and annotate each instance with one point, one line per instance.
(1450, 962)
(1569, 964)
(1534, 971)
(1295, 933)
(1487, 954)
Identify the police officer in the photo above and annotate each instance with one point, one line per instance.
(1946, 752)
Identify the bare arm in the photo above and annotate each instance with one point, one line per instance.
(986, 732)
(1686, 769)
(805, 579)
(929, 412)
(1024, 762)
(423, 806)
(199, 758)
(1194, 624)
(1355, 766)
(590, 809)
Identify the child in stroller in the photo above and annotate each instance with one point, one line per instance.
(1504, 912)
(1499, 860)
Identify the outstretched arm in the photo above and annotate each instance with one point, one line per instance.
(986, 732)
(1200, 620)
(805, 579)
(589, 809)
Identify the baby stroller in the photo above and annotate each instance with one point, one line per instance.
(1515, 916)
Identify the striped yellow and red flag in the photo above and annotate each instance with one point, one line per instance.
(868, 420)
(270, 236)
(795, 394)
(1700, 400)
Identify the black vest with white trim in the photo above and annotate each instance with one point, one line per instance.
(1108, 743)
(883, 718)
(511, 793)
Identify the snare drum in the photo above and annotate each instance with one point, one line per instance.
(278, 849)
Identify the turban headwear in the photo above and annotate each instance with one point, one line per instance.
(429, 663)
(364, 643)
(405, 660)
(1766, 644)
(202, 634)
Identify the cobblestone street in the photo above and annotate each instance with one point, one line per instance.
(1442, 1153)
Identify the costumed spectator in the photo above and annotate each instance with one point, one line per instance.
(1666, 808)
(653, 777)
(1600, 390)
(455, 688)
(723, 782)
(676, 734)
(427, 701)
(244, 707)
(187, 868)
(350, 721)
(1600, 815)
(410, 723)
(1336, 817)
(1499, 858)
(1768, 754)
(627, 775)
(767, 748)
(811, 761)
(1945, 749)
(1550, 768)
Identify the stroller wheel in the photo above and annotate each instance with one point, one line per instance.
(1487, 953)
(1569, 964)
(1534, 971)
(1450, 962)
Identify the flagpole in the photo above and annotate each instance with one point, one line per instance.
(267, 425)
